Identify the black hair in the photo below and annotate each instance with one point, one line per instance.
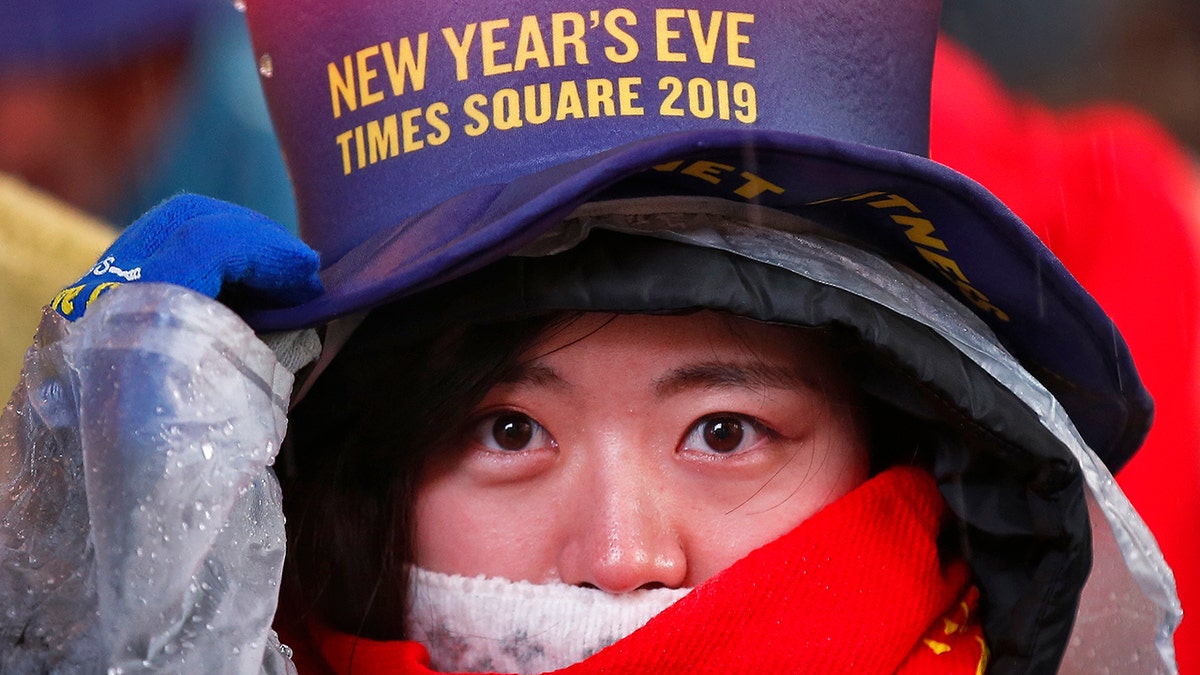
(354, 449)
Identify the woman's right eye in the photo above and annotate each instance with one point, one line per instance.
(511, 432)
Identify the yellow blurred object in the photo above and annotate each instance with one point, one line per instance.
(44, 245)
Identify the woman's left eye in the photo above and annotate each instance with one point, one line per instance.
(723, 434)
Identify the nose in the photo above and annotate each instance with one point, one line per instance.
(623, 538)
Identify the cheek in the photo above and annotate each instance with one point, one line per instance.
(461, 529)
(733, 522)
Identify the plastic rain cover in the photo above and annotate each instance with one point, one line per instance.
(140, 527)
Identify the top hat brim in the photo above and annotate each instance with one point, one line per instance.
(906, 207)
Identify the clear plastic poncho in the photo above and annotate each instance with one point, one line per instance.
(141, 529)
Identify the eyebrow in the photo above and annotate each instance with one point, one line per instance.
(724, 374)
(705, 375)
(536, 374)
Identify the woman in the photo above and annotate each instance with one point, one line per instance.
(539, 233)
(635, 456)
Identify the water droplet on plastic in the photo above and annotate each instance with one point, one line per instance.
(207, 449)
(266, 67)
(285, 650)
(240, 5)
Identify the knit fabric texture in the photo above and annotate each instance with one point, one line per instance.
(859, 587)
(207, 245)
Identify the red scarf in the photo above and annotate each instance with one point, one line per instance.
(858, 587)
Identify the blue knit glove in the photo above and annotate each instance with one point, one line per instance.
(210, 246)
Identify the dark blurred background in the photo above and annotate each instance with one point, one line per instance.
(113, 105)
(1144, 52)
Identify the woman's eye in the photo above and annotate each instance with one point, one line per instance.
(511, 432)
(722, 434)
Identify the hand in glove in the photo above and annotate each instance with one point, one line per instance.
(210, 246)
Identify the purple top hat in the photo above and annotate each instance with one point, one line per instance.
(426, 140)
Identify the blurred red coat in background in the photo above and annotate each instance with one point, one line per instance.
(1118, 201)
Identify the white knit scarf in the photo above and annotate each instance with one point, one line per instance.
(485, 624)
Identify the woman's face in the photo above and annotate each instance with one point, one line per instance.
(642, 451)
